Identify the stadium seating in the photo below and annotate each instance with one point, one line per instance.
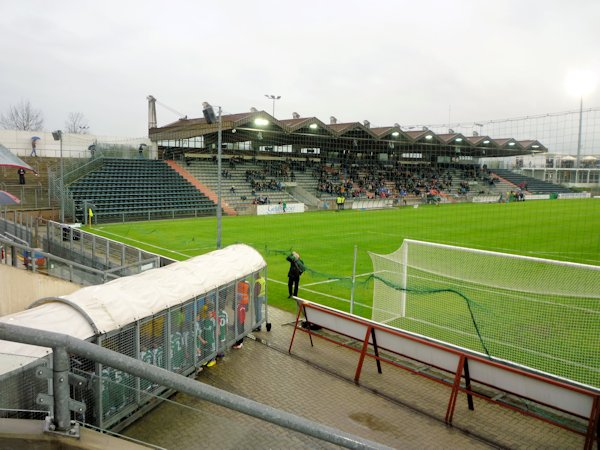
(128, 189)
(534, 185)
(205, 170)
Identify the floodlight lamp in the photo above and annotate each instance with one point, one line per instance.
(395, 134)
(511, 144)
(209, 113)
(535, 146)
(429, 137)
(313, 126)
(581, 82)
(458, 140)
(486, 142)
(57, 135)
(261, 121)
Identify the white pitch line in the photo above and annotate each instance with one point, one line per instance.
(322, 282)
(331, 280)
(149, 245)
(314, 292)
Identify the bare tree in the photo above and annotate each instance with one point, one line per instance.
(76, 123)
(22, 117)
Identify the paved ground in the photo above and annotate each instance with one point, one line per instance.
(395, 408)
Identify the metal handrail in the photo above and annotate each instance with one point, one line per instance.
(50, 257)
(63, 344)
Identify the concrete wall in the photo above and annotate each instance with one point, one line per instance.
(20, 288)
(74, 145)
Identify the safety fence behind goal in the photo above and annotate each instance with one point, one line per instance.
(539, 313)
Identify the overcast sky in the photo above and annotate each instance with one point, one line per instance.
(410, 62)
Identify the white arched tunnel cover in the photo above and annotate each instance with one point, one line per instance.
(125, 300)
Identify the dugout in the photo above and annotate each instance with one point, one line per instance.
(176, 317)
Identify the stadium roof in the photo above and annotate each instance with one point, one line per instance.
(265, 132)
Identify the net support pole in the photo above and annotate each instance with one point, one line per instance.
(404, 279)
(219, 180)
(353, 280)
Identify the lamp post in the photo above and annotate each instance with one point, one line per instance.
(209, 116)
(58, 136)
(274, 98)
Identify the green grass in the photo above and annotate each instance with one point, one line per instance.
(562, 230)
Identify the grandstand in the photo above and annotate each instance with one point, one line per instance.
(133, 189)
(266, 160)
(534, 185)
(243, 193)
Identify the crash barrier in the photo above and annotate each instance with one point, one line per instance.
(178, 317)
(372, 203)
(464, 367)
(70, 242)
(18, 224)
(65, 348)
(36, 260)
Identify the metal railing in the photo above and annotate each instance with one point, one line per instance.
(30, 195)
(61, 404)
(34, 259)
(105, 254)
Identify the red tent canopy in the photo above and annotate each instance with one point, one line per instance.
(9, 159)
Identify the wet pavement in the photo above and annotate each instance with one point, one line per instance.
(395, 408)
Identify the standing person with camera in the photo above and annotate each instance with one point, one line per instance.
(296, 269)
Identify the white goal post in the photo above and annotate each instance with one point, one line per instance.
(538, 312)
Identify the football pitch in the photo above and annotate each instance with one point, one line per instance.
(566, 230)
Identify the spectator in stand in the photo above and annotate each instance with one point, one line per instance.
(21, 173)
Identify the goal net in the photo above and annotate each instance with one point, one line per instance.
(539, 313)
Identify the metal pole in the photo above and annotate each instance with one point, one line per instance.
(62, 182)
(219, 157)
(353, 281)
(61, 391)
(579, 137)
(183, 384)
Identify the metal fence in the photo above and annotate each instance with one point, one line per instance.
(19, 225)
(130, 216)
(98, 252)
(62, 381)
(23, 256)
(179, 339)
(30, 195)
(69, 253)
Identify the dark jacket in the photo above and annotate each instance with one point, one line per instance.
(296, 267)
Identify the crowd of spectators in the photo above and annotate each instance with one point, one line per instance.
(383, 181)
(360, 179)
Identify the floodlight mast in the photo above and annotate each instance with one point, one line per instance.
(58, 136)
(209, 116)
(274, 98)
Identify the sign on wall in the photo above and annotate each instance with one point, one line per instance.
(277, 208)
